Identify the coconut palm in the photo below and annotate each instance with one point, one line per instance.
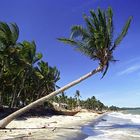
(77, 97)
(8, 37)
(8, 52)
(95, 41)
(27, 58)
(8, 40)
(45, 79)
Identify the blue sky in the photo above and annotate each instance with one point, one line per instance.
(46, 20)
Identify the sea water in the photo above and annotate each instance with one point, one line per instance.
(115, 126)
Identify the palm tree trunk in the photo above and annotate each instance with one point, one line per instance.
(13, 99)
(0, 98)
(4, 122)
(18, 94)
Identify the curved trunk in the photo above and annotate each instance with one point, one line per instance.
(4, 122)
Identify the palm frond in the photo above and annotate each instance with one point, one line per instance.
(37, 57)
(8, 33)
(106, 69)
(3, 39)
(4, 27)
(90, 26)
(102, 19)
(123, 33)
(109, 14)
(68, 41)
(77, 31)
(114, 61)
(94, 19)
(15, 32)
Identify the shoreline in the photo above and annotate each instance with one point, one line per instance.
(115, 125)
(51, 128)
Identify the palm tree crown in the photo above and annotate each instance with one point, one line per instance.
(8, 34)
(96, 40)
(77, 94)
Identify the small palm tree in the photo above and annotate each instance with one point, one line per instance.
(95, 41)
(77, 97)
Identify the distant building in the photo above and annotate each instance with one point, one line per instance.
(60, 106)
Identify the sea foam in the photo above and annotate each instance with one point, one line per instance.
(133, 118)
(116, 126)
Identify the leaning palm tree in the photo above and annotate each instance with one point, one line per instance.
(95, 41)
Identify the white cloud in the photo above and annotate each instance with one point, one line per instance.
(129, 70)
(136, 59)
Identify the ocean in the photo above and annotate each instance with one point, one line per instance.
(115, 126)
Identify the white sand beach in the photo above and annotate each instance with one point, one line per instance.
(49, 128)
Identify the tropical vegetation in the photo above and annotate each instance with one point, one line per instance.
(89, 103)
(24, 77)
(95, 40)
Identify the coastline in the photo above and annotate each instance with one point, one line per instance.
(51, 128)
(114, 126)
